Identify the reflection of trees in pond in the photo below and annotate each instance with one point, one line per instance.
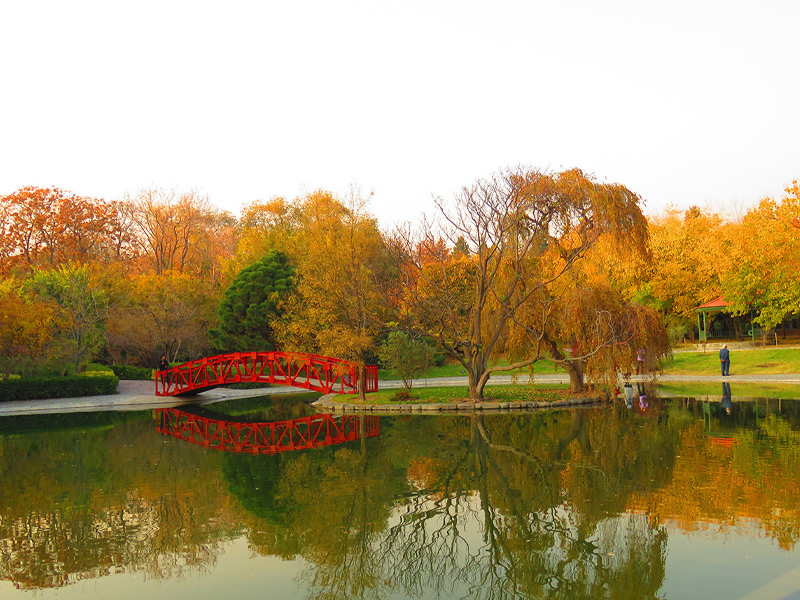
(553, 504)
(750, 480)
(326, 505)
(519, 531)
(255, 481)
(481, 507)
(77, 506)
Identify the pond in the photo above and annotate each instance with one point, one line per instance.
(675, 499)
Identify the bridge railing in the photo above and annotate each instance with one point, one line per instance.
(308, 371)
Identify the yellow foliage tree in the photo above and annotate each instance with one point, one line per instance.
(765, 261)
(26, 328)
(341, 265)
(690, 255)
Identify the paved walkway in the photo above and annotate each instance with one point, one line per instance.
(133, 395)
(140, 395)
(793, 379)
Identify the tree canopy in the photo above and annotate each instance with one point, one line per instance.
(527, 234)
(764, 266)
(251, 304)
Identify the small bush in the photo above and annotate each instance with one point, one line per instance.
(126, 372)
(401, 396)
(56, 387)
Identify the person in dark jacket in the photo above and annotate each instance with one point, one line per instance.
(725, 360)
(163, 365)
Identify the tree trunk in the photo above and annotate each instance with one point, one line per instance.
(573, 367)
(477, 379)
(78, 356)
(362, 434)
(575, 370)
(476, 367)
(362, 381)
(475, 390)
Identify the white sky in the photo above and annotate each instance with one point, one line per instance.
(684, 102)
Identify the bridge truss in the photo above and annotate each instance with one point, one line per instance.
(308, 371)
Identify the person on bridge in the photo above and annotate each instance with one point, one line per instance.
(725, 360)
(163, 365)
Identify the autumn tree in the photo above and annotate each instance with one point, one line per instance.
(527, 233)
(166, 314)
(82, 307)
(46, 227)
(589, 329)
(690, 252)
(765, 261)
(26, 328)
(263, 226)
(180, 232)
(252, 302)
(341, 266)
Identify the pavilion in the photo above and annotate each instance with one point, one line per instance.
(716, 305)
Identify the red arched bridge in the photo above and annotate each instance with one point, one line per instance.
(304, 433)
(308, 371)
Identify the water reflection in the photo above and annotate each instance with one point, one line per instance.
(727, 403)
(203, 427)
(565, 505)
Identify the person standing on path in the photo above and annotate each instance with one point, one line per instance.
(725, 360)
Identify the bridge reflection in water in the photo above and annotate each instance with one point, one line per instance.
(304, 433)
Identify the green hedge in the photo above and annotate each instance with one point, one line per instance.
(56, 387)
(126, 372)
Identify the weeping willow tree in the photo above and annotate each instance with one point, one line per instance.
(590, 331)
(502, 273)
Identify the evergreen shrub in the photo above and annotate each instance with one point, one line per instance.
(128, 372)
(56, 387)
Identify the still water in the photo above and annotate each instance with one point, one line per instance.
(682, 499)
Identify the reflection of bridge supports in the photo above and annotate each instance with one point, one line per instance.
(308, 371)
(265, 438)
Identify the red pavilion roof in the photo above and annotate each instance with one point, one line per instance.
(715, 303)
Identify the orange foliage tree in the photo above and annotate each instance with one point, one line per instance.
(166, 314)
(45, 227)
(263, 226)
(526, 234)
(179, 232)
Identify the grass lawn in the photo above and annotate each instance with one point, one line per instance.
(752, 361)
(492, 393)
(456, 370)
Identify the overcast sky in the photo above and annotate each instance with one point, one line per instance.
(684, 102)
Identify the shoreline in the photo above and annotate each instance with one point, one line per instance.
(138, 395)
